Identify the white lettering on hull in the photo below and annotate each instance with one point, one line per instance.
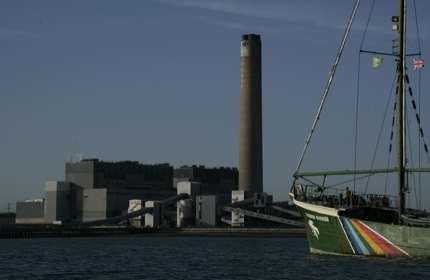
(319, 218)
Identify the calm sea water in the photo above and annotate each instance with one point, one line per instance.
(190, 258)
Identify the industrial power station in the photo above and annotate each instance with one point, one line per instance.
(96, 193)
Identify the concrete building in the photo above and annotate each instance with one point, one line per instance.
(96, 190)
(251, 143)
(30, 211)
(57, 201)
(207, 211)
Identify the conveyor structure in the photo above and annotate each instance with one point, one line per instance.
(127, 216)
(235, 208)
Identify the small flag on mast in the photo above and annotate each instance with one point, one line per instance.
(418, 64)
(377, 62)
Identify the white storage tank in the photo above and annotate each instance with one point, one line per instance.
(185, 212)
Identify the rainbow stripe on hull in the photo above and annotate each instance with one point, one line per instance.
(366, 241)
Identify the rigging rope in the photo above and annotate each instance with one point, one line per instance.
(419, 97)
(332, 72)
(417, 117)
(357, 98)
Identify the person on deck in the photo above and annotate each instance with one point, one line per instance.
(347, 196)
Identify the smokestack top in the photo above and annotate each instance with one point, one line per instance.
(250, 37)
(250, 44)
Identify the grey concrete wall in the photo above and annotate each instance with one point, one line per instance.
(81, 174)
(30, 212)
(57, 201)
(206, 211)
(94, 204)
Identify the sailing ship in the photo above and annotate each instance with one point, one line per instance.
(350, 222)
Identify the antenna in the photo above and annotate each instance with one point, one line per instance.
(80, 156)
(9, 208)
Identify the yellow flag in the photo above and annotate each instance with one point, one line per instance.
(377, 61)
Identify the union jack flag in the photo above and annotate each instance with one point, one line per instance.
(418, 64)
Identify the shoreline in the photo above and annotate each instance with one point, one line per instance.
(264, 232)
(16, 232)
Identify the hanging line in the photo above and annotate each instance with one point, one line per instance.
(332, 72)
(358, 94)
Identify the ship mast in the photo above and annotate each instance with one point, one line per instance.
(401, 131)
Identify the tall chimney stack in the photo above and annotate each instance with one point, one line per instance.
(251, 143)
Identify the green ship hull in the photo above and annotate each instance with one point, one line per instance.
(331, 233)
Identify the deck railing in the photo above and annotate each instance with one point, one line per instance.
(335, 198)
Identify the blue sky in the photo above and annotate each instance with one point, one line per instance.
(158, 81)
